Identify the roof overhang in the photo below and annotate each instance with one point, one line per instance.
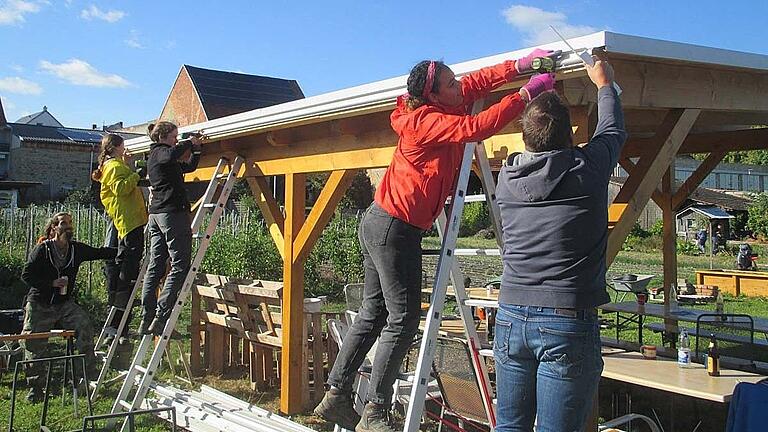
(710, 212)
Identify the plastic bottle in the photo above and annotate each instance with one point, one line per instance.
(719, 303)
(684, 350)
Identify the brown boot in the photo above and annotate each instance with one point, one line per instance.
(337, 407)
(375, 418)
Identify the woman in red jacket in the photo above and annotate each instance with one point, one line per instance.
(432, 121)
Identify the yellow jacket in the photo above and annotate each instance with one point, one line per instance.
(122, 199)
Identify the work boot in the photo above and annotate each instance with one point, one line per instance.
(375, 418)
(337, 407)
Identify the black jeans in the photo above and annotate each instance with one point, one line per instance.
(170, 236)
(121, 273)
(391, 304)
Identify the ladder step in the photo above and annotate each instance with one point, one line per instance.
(486, 352)
(209, 205)
(141, 369)
(127, 405)
(463, 252)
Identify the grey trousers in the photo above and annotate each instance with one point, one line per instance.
(170, 236)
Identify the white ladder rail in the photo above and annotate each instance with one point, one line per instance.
(146, 374)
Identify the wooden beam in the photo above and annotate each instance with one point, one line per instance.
(695, 179)
(322, 211)
(629, 167)
(293, 298)
(747, 139)
(650, 84)
(273, 217)
(671, 136)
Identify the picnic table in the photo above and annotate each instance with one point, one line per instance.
(665, 375)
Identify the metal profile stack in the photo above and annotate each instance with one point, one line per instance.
(210, 410)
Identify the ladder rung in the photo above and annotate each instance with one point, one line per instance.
(485, 352)
(481, 303)
(127, 405)
(209, 205)
(141, 369)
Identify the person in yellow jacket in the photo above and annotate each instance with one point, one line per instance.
(125, 206)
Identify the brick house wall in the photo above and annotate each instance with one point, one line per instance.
(61, 168)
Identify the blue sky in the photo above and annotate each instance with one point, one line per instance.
(108, 61)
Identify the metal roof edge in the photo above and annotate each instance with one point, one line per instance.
(658, 48)
(365, 95)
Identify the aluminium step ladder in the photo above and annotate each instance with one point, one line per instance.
(448, 268)
(141, 372)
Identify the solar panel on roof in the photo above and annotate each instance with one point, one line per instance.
(79, 135)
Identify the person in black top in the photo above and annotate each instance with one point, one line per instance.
(50, 274)
(169, 227)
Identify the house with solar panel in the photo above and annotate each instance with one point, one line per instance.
(42, 160)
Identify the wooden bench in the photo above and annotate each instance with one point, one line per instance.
(239, 322)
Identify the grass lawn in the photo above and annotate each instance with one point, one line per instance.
(478, 268)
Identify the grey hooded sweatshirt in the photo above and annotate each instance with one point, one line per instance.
(554, 215)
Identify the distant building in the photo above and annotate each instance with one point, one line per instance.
(725, 176)
(41, 160)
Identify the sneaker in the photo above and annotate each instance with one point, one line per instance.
(375, 418)
(144, 326)
(336, 407)
(156, 326)
(35, 395)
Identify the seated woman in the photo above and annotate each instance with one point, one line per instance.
(50, 274)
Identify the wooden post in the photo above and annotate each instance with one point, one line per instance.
(669, 248)
(293, 297)
(194, 329)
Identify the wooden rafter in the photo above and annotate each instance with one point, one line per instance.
(670, 137)
(269, 209)
(293, 298)
(322, 211)
(695, 179)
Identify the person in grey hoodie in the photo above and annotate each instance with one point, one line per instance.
(553, 199)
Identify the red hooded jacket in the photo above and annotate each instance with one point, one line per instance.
(428, 155)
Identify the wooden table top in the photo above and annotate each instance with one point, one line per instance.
(681, 314)
(664, 374)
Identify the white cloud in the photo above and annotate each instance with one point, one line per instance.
(16, 68)
(93, 12)
(79, 72)
(134, 40)
(13, 11)
(534, 24)
(7, 105)
(19, 86)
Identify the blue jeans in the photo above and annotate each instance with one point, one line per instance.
(548, 365)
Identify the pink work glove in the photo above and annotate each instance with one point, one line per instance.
(538, 84)
(524, 64)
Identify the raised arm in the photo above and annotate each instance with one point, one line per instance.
(610, 134)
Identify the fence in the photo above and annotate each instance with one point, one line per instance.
(21, 227)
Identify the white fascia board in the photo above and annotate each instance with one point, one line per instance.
(661, 49)
(366, 95)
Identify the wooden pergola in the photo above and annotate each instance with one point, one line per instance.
(678, 99)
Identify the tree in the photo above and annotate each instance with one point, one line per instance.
(758, 215)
